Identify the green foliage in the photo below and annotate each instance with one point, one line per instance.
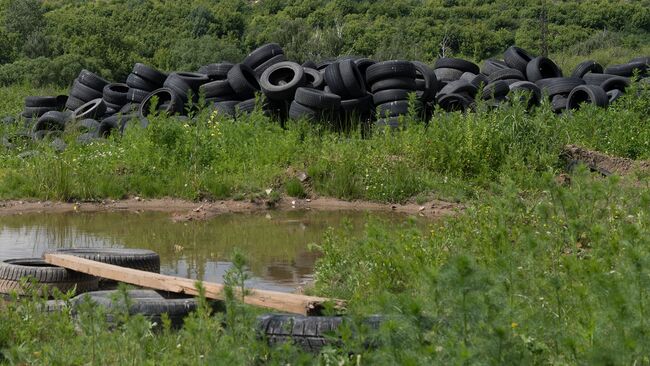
(110, 36)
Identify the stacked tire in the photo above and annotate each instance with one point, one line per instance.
(392, 82)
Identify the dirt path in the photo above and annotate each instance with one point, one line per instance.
(182, 210)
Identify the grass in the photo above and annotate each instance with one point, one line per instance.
(533, 272)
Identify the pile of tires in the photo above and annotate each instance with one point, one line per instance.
(341, 93)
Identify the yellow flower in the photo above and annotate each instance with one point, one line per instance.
(514, 325)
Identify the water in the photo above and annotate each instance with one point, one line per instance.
(274, 243)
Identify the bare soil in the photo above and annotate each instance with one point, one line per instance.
(603, 163)
(181, 210)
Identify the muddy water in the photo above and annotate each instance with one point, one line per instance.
(275, 244)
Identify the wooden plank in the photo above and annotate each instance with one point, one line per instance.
(286, 302)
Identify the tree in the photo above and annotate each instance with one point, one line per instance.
(24, 17)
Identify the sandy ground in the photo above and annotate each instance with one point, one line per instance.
(181, 210)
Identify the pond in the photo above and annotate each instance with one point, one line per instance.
(275, 243)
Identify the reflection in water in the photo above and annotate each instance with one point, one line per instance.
(275, 244)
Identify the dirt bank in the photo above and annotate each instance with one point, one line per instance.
(181, 210)
(603, 163)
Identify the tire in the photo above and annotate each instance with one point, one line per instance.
(390, 69)
(457, 64)
(83, 92)
(309, 65)
(93, 109)
(50, 121)
(73, 103)
(616, 82)
(215, 89)
(478, 81)
(50, 102)
(394, 83)
(492, 65)
(363, 64)
(13, 270)
(542, 68)
(91, 80)
(393, 123)
(129, 108)
(357, 109)
(614, 94)
(138, 82)
(136, 95)
(555, 86)
(317, 99)
(455, 102)
(262, 54)
(172, 102)
(150, 74)
(393, 109)
(354, 82)
(597, 79)
(426, 74)
(535, 92)
(148, 303)
(586, 67)
(270, 62)
(496, 90)
(141, 259)
(298, 111)
(517, 58)
(391, 95)
(334, 80)
(193, 80)
(115, 94)
(587, 93)
(227, 108)
(447, 75)
(628, 69)
(36, 112)
(559, 103)
(313, 78)
(280, 81)
(459, 87)
(505, 74)
(216, 71)
(242, 80)
(85, 126)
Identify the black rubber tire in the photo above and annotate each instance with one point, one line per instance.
(154, 76)
(394, 83)
(558, 103)
(91, 80)
(455, 102)
(334, 80)
(459, 87)
(245, 107)
(363, 64)
(447, 75)
(597, 79)
(83, 92)
(309, 65)
(587, 93)
(393, 109)
(390, 69)
(457, 64)
(129, 108)
(628, 69)
(554, 86)
(492, 65)
(614, 94)
(426, 74)
(478, 80)
(354, 82)
(50, 121)
(616, 82)
(109, 125)
(517, 58)
(93, 109)
(317, 99)
(136, 95)
(148, 303)
(13, 270)
(262, 54)
(36, 112)
(298, 111)
(394, 123)
(280, 81)
(226, 107)
(215, 89)
(243, 81)
(173, 103)
(270, 62)
(535, 92)
(141, 259)
(391, 95)
(115, 94)
(542, 68)
(85, 126)
(73, 103)
(505, 74)
(360, 109)
(138, 82)
(496, 90)
(313, 78)
(217, 71)
(37, 101)
(586, 67)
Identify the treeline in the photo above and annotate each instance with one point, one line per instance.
(46, 42)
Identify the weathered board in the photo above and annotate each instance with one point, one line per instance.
(286, 302)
